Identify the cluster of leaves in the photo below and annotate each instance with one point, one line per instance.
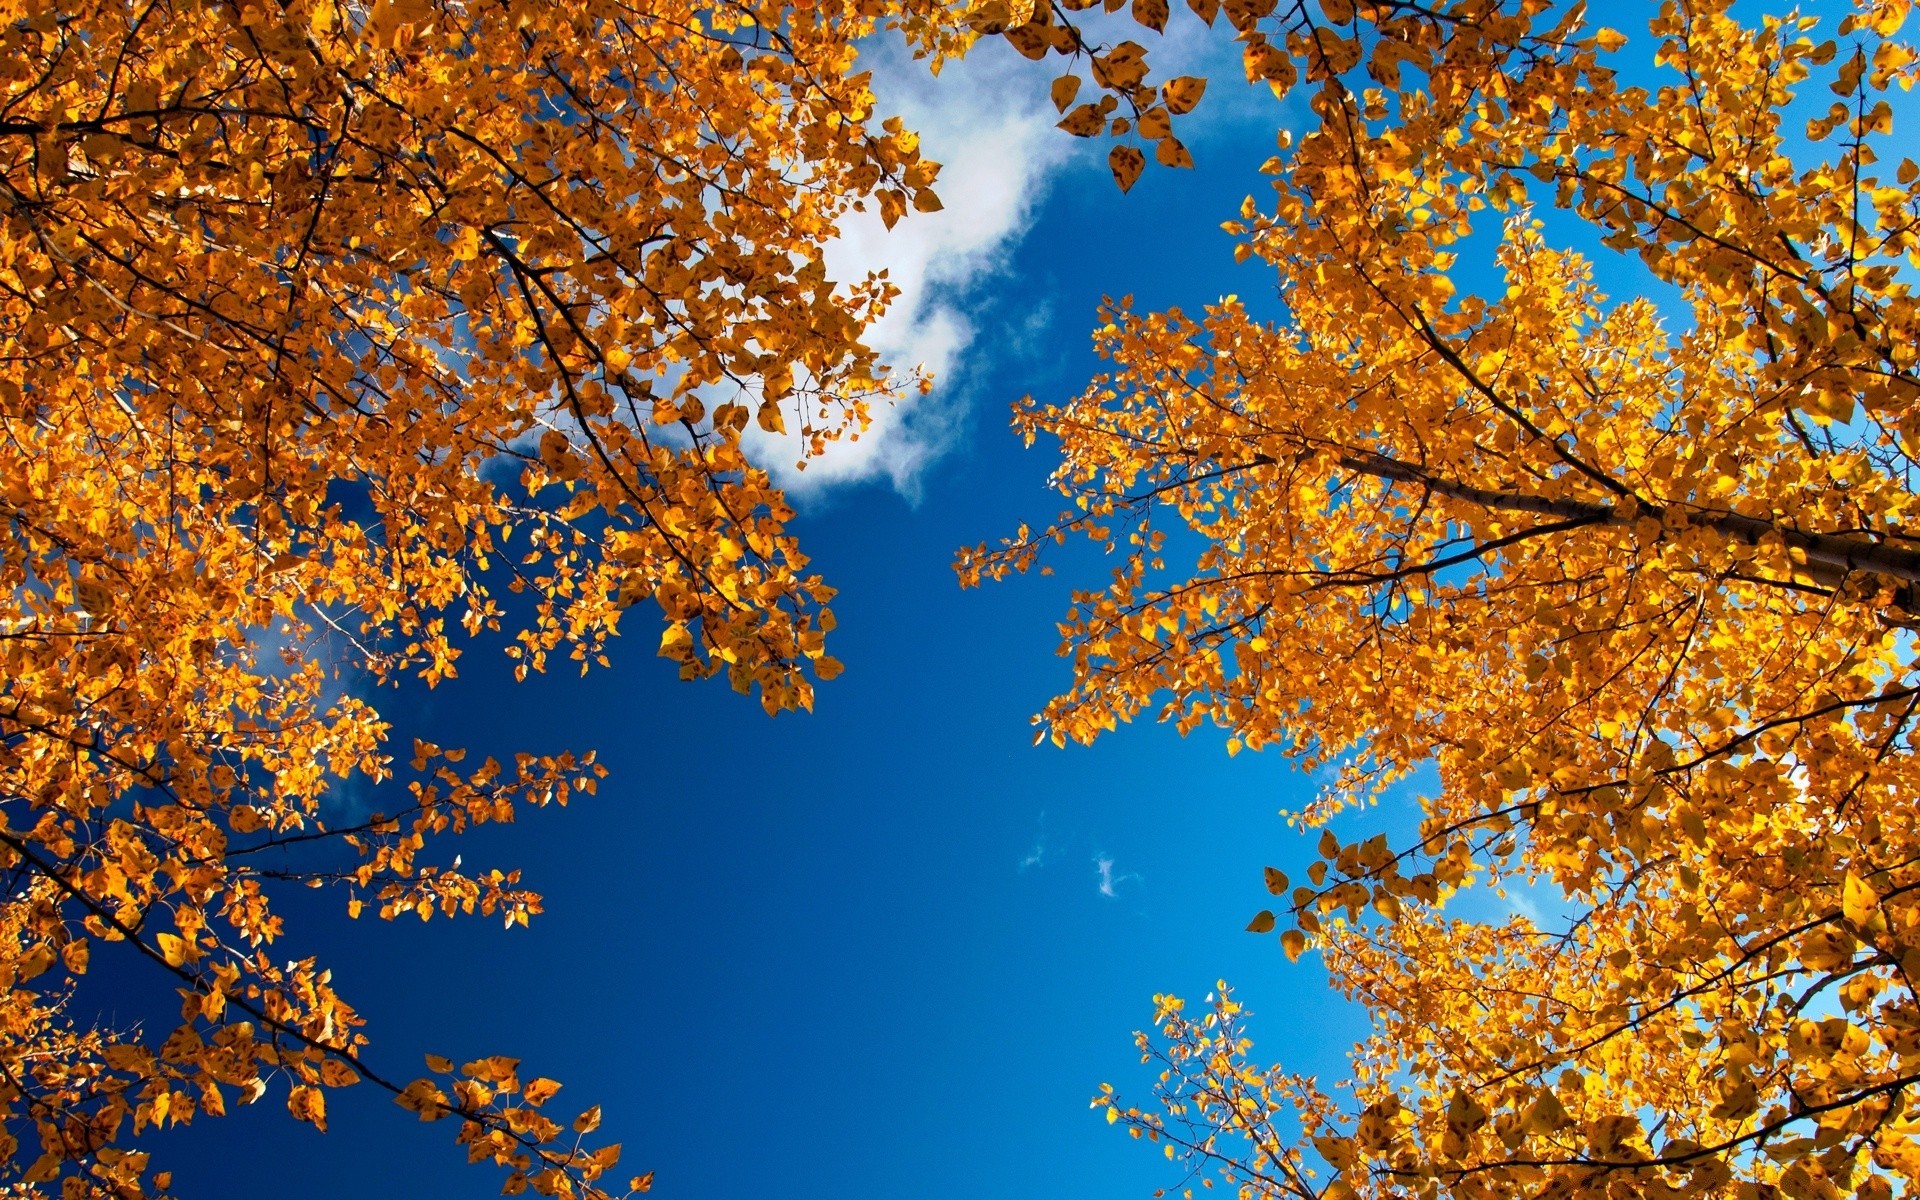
(1638, 579)
(1132, 110)
(331, 334)
(517, 1136)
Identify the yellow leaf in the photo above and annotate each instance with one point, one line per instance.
(1151, 13)
(177, 951)
(35, 962)
(1294, 943)
(1340, 1153)
(497, 1069)
(776, 383)
(1182, 94)
(770, 418)
(1064, 89)
(1126, 164)
(1464, 1113)
(1171, 153)
(1084, 121)
(1858, 902)
(540, 1091)
(1545, 1114)
(308, 1104)
(96, 596)
(124, 1057)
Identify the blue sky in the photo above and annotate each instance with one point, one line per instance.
(889, 949)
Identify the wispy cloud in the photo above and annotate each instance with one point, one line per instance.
(988, 122)
(1110, 881)
(1523, 906)
(1037, 857)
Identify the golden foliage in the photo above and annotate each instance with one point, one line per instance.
(1639, 578)
(321, 324)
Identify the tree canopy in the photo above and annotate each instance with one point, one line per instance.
(330, 335)
(1635, 575)
(333, 336)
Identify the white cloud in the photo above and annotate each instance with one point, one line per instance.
(1110, 882)
(1523, 906)
(1037, 857)
(987, 120)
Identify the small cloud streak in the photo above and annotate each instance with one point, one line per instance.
(1037, 857)
(1109, 881)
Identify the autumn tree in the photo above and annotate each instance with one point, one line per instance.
(332, 335)
(1634, 574)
